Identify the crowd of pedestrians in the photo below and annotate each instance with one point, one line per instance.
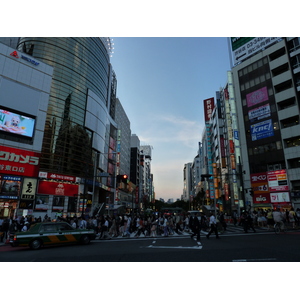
(136, 225)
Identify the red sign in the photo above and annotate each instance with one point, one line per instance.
(58, 188)
(58, 177)
(19, 162)
(209, 105)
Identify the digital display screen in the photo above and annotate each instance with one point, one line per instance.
(16, 123)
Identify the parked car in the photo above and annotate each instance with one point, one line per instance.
(50, 233)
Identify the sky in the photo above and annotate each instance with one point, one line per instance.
(161, 83)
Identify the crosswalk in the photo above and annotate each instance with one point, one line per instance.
(230, 230)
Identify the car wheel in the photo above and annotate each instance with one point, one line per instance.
(85, 239)
(35, 244)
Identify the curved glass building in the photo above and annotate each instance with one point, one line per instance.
(80, 130)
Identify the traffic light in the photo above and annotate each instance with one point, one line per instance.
(122, 178)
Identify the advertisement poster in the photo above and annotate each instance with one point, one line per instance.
(10, 187)
(259, 113)
(16, 123)
(256, 97)
(42, 203)
(57, 188)
(58, 203)
(262, 130)
(277, 181)
(29, 188)
(280, 197)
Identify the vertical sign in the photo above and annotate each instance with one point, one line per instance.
(208, 108)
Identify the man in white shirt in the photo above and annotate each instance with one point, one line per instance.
(213, 226)
(278, 218)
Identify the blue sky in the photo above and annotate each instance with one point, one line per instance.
(162, 83)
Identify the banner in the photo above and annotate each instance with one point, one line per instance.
(58, 188)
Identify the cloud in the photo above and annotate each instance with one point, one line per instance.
(171, 128)
(175, 141)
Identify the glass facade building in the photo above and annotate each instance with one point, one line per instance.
(79, 64)
(80, 129)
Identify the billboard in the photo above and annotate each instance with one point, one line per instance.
(16, 123)
(19, 162)
(259, 113)
(262, 130)
(10, 187)
(258, 96)
(277, 181)
(209, 105)
(57, 188)
(244, 47)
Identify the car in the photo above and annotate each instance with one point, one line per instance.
(51, 233)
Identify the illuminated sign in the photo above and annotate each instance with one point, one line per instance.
(16, 123)
(29, 188)
(57, 188)
(19, 162)
(9, 186)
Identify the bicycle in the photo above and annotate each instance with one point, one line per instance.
(278, 229)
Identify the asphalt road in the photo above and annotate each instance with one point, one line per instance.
(251, 247)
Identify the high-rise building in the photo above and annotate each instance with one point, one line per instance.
(266, 82)
(80, 132)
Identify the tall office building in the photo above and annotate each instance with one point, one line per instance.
(266, 82)
(80, 131)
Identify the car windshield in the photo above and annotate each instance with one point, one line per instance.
(32, 227)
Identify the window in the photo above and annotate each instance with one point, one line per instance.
(290, 122)
(292, 142)
(294, 163)
(286, 103)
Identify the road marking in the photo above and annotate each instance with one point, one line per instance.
(254, 259)
(174, 247)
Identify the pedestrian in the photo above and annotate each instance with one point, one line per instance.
(25, 227)
(166, 226)
(213, 226)
(234, 218)
(292, 216)
(153, 228)
(195, 226)
(270, 220)
(298, 216)
(248, 222)
(127, 227)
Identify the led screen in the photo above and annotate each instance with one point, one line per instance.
(15, 123)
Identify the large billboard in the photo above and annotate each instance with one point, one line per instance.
(16, 123)
(244, 47)
(270, 187)
(262, 130)
(258, 96)
(19, 162)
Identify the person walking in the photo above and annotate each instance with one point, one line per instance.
(194, 224)
(213, 226)
(292, 217)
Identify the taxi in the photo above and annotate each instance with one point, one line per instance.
(50, 233)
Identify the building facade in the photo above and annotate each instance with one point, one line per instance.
(80, 134)
(24, 92)
(266, 84)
